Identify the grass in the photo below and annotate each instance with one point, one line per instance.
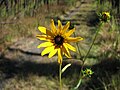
(22, 25)
(104, 58)
(107, 76)
(105, 73)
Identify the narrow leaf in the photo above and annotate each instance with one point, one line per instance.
(68, 65)
(79, 83)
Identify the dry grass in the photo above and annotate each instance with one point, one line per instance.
(13, 28)
(27, 75)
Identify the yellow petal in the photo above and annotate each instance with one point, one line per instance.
(42, 29)
(71, 47)
(47, 50)
(68, 56)
(45, 31)
(43, 37)
(59, 56)
(71, 39)
(45, 44)
(66, 27)
(59, 26)
(65, 50)
(108, 14)
(52, 53)
(69, 32)
(53, 26)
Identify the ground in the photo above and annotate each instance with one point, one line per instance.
(23, 68)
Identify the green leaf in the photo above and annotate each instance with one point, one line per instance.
(79, 83)
(68, 65)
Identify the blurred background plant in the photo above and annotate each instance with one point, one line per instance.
(20, 18)
(108, 42)
(109, 38)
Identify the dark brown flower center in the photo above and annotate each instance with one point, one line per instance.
(104, 17)
(59, 40)
(88, 72)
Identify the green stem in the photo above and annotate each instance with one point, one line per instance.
(98, 5)
(79, 49)
(60, 74)
(79, 82)
(92, 43)
(78, 46)
(88, 53)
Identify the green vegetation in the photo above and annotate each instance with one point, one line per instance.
(20, 20)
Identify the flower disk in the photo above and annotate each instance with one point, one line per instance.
(87, 72)
(57, 40)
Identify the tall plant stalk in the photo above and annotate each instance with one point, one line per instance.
(84, 59)
(60, 74)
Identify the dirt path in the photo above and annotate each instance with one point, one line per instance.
(23, 57)
(26, 48)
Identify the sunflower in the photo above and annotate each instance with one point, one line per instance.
(105, 16)
(57, 40)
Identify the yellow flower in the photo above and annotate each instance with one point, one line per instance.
(105, 16)
(88, 72)
(57, 40)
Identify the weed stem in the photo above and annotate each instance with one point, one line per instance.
(60, 73)
(84, 59)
